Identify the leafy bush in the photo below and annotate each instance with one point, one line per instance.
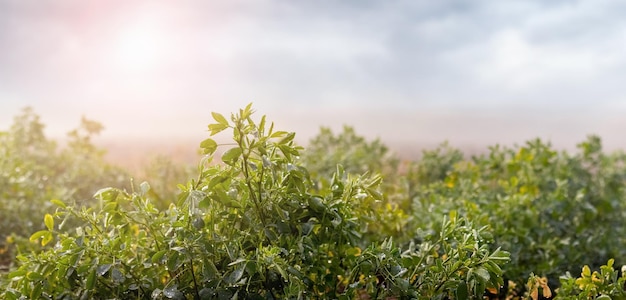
(163, 174)
(254, 227)
(273, 220)
(435, 165)
(553, 211)
(330, 157)
(606, 284)
(33, 170)
(25, 176)
(353, 152)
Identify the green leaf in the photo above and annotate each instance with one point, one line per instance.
(453, 215)
(217, 128)
(157, 257)
(110, 207)
(236, 275)
(500, 255)
(316, 204)
(194, 197)
(219, 118)
(108, 193)
(279, 134)
(172, 292)
(174, 261)
(217, 180)
(233, 203)
(493, 267)
(117, 276)
(34, 276)
(47, 238)
(91, 279)
(354, 251)
(220, 196)
(262, 124)
(294, 271)
(482, 273)
(145, 187)
(238, 261)
(198, 223)
(58, 202)
(35, 236)
(231, 155)
(290, 136)
(288, 151)
(36, 292)
(209, 271)
(205, 203)
(209, 146)
(585, 273)
(49, 221)
(103, 269)
(270, 234)
(11, 295)
(17, 273)
(461, 291)
(246, 112)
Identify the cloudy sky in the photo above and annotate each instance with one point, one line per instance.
(472, 72)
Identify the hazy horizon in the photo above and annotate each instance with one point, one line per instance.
(411, 73)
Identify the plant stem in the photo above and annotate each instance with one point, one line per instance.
(193, 276)
(255, 198)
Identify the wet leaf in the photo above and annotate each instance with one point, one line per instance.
(231, 155)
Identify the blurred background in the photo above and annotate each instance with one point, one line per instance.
(412, 73)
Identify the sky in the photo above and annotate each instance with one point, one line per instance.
(415, 72)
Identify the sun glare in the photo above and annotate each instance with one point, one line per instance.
(140, 46)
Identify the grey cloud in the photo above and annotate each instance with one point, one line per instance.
(409, 55)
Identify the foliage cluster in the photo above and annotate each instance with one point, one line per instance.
(606, 284)
(254, 227)
(554, 211)
(163, 174)
(353, 152)
(348, 154)
(34, 170)
(270, 220)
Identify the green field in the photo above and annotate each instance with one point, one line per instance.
(260, 217)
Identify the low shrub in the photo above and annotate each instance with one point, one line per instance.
(252, 227)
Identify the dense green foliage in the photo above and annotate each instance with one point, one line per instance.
(342, 219)
(353, 152)
(34, 170)
(606, 284)
(163, 174)
(253, 227)
(553, 211)
(348, 154)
